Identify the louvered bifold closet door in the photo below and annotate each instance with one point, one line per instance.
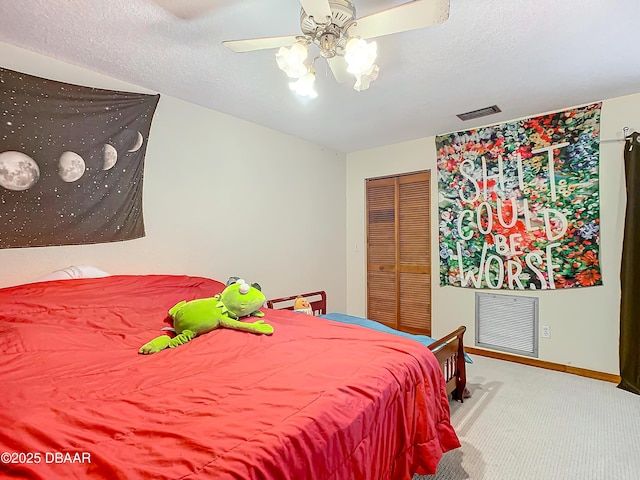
(414, 254)
(381, 251)
(399, 252)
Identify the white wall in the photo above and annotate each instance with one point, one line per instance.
(222, 197)
(584, 322)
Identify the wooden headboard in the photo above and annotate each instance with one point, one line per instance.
(317, 300)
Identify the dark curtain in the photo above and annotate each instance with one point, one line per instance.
(630, 272)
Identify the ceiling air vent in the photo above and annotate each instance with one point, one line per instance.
(483, 112)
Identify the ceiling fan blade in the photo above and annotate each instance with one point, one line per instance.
(405, 17)
(338, 67)
(251, 44)
(318, 9)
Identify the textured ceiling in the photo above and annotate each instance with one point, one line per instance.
(528, 57)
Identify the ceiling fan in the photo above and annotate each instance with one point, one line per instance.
(340, 37)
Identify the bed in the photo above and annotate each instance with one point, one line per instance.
(80, 402)
(449, 350)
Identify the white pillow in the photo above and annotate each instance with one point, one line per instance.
(75, 271)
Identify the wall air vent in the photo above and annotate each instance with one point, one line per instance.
(483, 112)
(508, 323)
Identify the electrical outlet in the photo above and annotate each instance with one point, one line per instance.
(546, 331)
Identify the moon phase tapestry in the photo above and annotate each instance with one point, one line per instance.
(71, 162)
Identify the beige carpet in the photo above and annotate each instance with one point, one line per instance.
(527, 423)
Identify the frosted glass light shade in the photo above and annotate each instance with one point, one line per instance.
(364, 80)
(360, 55)
(304, 85)
(291, 59)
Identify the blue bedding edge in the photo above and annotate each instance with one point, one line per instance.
(366, 323)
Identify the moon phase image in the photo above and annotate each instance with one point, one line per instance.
(18, 171)
(138, 143)
(71, 166)
(110, 156)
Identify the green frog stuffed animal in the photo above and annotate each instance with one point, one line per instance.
(202, 315)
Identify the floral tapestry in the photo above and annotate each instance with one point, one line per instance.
(519, 205)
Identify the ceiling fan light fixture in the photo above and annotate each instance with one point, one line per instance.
(332, 27)
(291, 59)
(304, 85)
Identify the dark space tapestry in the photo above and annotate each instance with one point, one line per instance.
(71, 162)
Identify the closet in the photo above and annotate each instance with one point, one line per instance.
(399, 251)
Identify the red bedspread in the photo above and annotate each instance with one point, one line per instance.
(316, 400)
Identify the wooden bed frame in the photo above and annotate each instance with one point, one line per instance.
(449, 350)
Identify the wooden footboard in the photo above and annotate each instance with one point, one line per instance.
(450, 354)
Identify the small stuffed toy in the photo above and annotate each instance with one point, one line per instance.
(301, 305)
(200, 316)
